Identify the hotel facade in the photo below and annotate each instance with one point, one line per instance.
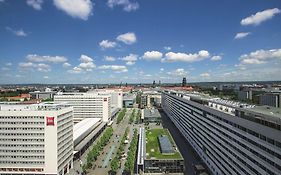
(36, 139)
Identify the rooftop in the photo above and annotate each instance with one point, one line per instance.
(83, 126)
(46, 106)
(153, 146)
(149, 113)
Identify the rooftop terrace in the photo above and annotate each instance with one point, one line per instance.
(153, 148)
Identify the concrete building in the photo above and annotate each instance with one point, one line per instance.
(230, 137)
(47, 94)
(159, 159)
(36, 139)
(87, 105)
(150, 116)
(85, 133)
(115, 94)
(129, 100)
(270, 99)
(245, 95)
(150, 99)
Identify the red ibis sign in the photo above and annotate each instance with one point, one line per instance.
(50, 121)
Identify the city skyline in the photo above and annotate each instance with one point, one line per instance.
(85, 41)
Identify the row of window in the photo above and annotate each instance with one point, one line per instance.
(21, 123)
(22, 134)
(21, 157)
(23, 128)
(23, 145)
(22, 117)
(21, 140)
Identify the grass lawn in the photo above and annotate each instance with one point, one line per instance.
(153, 147)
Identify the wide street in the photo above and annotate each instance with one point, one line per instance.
(102, 165)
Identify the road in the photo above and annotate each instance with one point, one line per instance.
(189, 155)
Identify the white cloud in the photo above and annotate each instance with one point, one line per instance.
(178, 72)
(109, 58)
(17, 32)
(104, 44)
(52, 59)
(205, 75)
(75, 8)
(46, 77)
(162, 69)
(174, 57)
(116, 68)
(130, 59)
(88, 66)
(241, 35)
(260, 56)
(216, 58)
(27, 65)
(130, 63)
(41, 67)
(152, 55)
(36, 4)
(167, 48)
(127, 38)
(85, 59)
(75, 70)
(66, 64)
(260, 17)
(127, 4)
(9, 64)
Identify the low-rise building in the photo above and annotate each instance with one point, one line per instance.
(129, 100)
(150, 116)
(158, 153)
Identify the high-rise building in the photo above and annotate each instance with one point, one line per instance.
(270, 99)
(87, 105)
(231, 138)
(36, 139)
(184, 81)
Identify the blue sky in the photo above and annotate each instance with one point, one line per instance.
(109, 41)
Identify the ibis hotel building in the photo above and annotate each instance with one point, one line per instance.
(36, 139)
(230, 137)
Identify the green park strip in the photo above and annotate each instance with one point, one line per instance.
(121, 115)
(115, 163)
(96, 149)
(153, 147)
(129, 165)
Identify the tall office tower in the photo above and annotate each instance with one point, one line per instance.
(184, 81)
(231, 138)
(153, 84)
(87, 105)
(36, 139)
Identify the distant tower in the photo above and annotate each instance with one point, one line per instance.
(153, 83)
(159, 83)
(184, 81)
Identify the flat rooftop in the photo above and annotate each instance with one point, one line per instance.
(84, 126)
(266, 111)
(153, 150)
(149, 113)
(46, 106)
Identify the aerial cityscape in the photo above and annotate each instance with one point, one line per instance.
(131, 87)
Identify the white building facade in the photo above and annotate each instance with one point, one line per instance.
(236, 141)
(36, 139)
(87, 105)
